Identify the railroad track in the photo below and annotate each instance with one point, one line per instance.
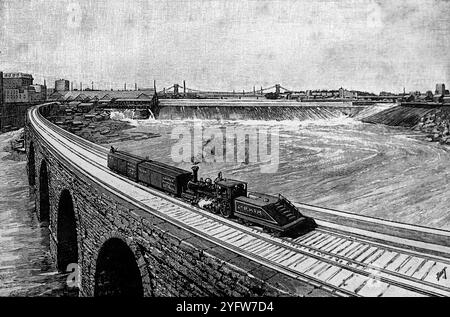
(346, 265)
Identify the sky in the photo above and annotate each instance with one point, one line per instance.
(230, 44)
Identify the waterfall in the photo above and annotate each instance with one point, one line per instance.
(252, 110)
(374, 109)
(132, 114)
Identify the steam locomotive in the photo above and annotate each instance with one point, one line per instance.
(228, 197)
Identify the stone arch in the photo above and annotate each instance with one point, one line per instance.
(117, 272)
(31, 165)
(67, 248)
(44, 199)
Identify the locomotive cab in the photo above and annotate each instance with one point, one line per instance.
(226, 191)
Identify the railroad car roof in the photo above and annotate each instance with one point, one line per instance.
(164, 168)
(150, 163)
(125, 155)
(174, 168)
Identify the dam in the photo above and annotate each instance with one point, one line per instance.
(239, 109)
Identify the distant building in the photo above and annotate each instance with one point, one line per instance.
(440, 89)
(446, 100)
(15, 95)
(33, 93)
(62, 85)
(346, 94)
(19, 88)
(37, 93)
(15, 87)
(16, 80)
(54, 96)
(438, 98)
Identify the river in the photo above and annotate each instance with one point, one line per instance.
(341, 163)
(26, 267)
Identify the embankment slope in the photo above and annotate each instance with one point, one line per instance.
(405, 116)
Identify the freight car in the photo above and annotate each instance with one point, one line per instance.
(162, 176)
(228, 197)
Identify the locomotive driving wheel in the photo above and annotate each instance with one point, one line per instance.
(225, 211)
(215, 210)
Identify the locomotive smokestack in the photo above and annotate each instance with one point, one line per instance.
(195, 173)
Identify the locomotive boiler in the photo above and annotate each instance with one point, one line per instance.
(227, 197)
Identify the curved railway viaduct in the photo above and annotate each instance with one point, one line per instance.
(128, 239)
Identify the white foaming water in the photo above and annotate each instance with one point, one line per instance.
(369, 111)
(118, 115)
(128, 116)
(294, 124)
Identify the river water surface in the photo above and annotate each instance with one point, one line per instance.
(340, 163)
(26, 268)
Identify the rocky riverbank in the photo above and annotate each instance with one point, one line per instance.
(433, 121)
(96, 125)
(110, 131)
(436, 124)
(15, 147)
